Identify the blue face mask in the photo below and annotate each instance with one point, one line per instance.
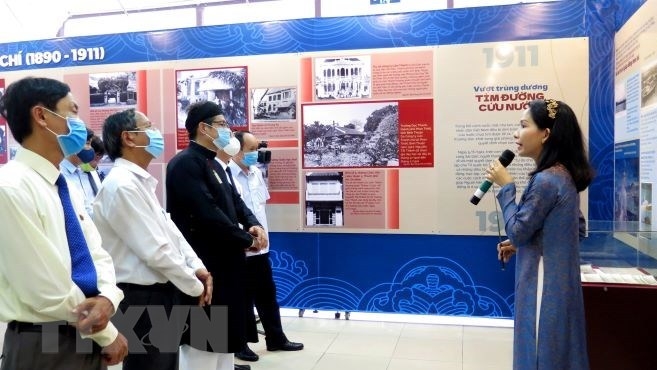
(155, 143)
(223, 138)
(74, 141)
(250, 159)
(86, 155)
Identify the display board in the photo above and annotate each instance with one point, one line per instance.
(635, 130)
(406, 219)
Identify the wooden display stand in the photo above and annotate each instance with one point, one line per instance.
(621, 326)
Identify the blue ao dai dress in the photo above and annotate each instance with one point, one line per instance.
(545, 227)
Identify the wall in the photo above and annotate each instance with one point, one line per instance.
(425, 270)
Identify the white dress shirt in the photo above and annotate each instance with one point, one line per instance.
(253, 189)
(146, 246)
(79, 179)
(224, 166)
(35, 261)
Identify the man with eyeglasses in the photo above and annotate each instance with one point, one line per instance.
(53, 270)
(153, 261)
(210, 214)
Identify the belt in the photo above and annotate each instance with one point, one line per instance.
(62, 327)
(158, 287)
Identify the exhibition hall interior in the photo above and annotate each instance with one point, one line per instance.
(376, 121)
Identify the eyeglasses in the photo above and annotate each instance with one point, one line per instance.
(142, 129)
(220, 123)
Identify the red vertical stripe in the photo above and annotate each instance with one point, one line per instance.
(392, 199)
(306, 86)
(142, 92)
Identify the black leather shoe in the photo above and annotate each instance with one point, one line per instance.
(242, 367)
(246, 354)
(286, 346)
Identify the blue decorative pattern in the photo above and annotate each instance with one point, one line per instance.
(289, 273)
(601, 109)
(434, 285)
(454, 26)
(405, 275)
(623, 10)
(424, 285)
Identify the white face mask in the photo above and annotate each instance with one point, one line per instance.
(233, 147)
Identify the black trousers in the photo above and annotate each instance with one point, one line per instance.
(261, 291)
(55, 346)
(157, 356)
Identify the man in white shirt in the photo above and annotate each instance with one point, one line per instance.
(260, 287)
(152, 259)
(99, 152)
(86, 181)
(52, 266)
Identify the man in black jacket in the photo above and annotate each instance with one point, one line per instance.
(208, 211)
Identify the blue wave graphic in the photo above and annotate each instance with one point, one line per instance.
(601, 28)
(325, 294)
(424, 285)
(288, 273)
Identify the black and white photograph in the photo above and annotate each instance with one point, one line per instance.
(325, 199)
(648, 85)
(117, 89)
(224, 86)
(351, 135)
(346, 77)
(274, 104)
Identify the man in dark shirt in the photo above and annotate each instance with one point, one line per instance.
(217, 224)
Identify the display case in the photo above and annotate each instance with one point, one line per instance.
(619, 263)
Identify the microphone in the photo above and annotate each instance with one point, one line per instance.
(505, 158)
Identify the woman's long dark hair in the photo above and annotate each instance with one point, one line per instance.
(565, 144)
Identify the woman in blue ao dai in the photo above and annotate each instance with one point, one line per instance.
(544, 230)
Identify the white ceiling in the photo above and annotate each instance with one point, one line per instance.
(24, 20)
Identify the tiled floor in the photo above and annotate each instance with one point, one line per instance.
(332, 344)
(374, 345)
